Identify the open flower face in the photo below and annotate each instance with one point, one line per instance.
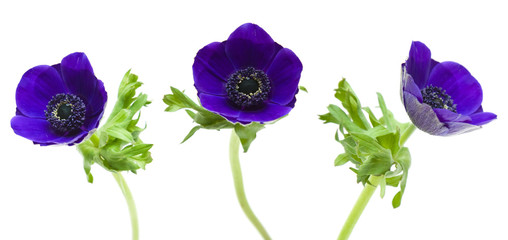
(247, 78)
(59, 104)
(441, 98)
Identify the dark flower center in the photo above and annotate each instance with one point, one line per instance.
(437, 97)
(248, 87)
(65, 112)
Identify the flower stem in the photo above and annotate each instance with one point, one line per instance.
(234, 159)
(359, 206)
(130, 202)
(407, 134)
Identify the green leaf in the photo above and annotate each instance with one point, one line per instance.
(172, 108)
(120, 133)
(191, 133)
(393, 181)
(382, 186)
(376, 164)
(137, 104)
(361, 178)
(377, 131)
(390, 141)
(397, 200)
(206, 119)
(328, 118)
(368, 144)
(342, 119)
(103, 138)
(350, 145)
(116, 146)
(88, 151)
(373, 145)
(396, 173)
(342, 159)
(126, 92)
(132, 123)
(352, 104)
(372, 118)
(247, 133)
(403, 157)
(179, 100)
(303, 89)
(118, 119)
(190, 113)
(209, 120)
(404, 127)
(133, 150)
(387, 115)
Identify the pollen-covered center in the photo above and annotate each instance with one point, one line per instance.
(437, 97)
(65, 112)
(248, 87)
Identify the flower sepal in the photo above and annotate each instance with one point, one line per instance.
(375, 146)
(208, 120)
(116, 146)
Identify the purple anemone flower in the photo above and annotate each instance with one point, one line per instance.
(247, 78)
(441, 98)
(59, 104)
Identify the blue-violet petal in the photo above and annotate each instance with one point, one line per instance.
(419, 63)
(270, 112)
(250, 46)
(37, 86)
(462, 87)
(284, 73)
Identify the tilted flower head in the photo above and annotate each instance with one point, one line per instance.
(59, 104)
(441, 98)
(247, 78)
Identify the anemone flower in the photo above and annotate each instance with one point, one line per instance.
(247, 78)
(59, 104)
(441, 98)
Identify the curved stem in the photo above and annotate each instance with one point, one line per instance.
(234, 159)
(130, 203)
(359, 206)
(407, 134)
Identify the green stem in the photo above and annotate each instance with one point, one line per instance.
(407, 134)
(240, 192)
(360, 205)
(130, 202)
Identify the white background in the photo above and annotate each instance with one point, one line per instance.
(456, 187)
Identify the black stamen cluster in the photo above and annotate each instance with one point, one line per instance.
(65, 112)
(437, 97)
(248, 87)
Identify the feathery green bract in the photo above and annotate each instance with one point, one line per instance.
(373, 145)
(208, 120)
(116, 145)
